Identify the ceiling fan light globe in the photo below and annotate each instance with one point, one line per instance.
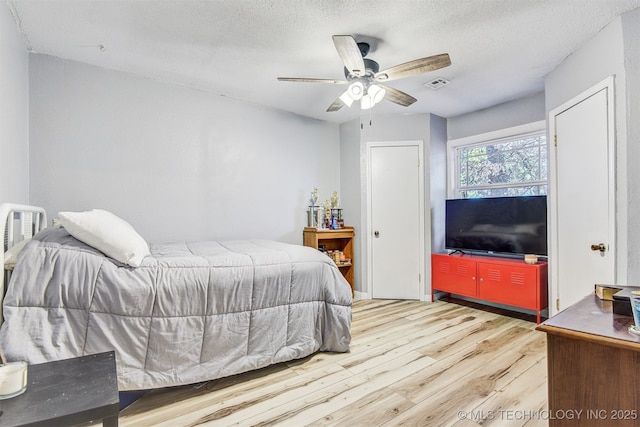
(356, 90)
(376, 93)
(346, 99)
(366, 102)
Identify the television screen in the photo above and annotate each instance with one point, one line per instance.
(501, 225)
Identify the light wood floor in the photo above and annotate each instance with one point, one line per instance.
(411, 363)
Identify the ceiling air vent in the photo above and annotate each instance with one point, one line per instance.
(437, 83)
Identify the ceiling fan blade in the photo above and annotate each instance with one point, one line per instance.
(412, 68)
(337, 104)
(397, 96)
(311, 80)
(350, 53)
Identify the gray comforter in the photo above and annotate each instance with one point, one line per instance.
(192, 312)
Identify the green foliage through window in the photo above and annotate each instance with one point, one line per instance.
(514, 167)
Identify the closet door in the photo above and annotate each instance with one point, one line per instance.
(582, 196)
(396, 220)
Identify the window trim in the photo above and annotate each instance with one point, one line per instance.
(483, 138)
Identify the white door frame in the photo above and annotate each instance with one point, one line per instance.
(368, 233)
(554, 290)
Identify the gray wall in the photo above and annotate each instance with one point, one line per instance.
(613, 51)
(631, 156)
(408, 127)
(181, 164)
(438, 181)
(14, 120)
(178, 164)
(514, 113)
(352, 179)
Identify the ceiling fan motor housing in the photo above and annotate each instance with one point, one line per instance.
(371, 67)
(364, 48)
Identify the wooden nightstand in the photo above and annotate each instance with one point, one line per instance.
(341, 240)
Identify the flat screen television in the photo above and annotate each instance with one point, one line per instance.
(498, 225)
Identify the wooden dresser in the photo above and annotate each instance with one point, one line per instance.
(593, 365)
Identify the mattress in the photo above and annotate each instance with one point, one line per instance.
(193, 311)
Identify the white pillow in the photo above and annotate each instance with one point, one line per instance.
(11, 256)
(108, 233)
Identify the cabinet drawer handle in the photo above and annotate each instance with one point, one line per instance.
(473, 278)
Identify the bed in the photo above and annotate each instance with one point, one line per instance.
(187, 312)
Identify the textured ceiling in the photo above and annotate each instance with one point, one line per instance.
(500, 49)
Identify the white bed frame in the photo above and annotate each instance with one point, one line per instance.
(18, 222)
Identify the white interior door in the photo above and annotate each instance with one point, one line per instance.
(584, 202)
(396, 220)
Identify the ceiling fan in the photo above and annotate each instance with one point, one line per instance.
(366, 81)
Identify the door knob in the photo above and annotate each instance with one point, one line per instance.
(599, 247)
(376, 233)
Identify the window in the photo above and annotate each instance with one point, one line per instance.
(514, 165)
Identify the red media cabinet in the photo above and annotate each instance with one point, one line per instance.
(499, 280)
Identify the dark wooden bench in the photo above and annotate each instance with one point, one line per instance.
(65, 393)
